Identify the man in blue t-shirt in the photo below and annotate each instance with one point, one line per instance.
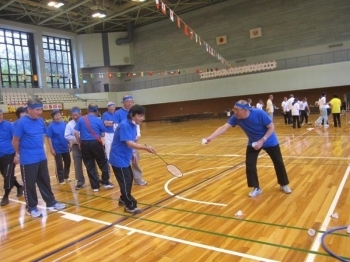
(88, 132)
(28, 142)
(261, 135)
(121, 115)
(122, 154)
(59, 146)
(108, 119)
(7, 166)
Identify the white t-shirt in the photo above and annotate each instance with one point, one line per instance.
(259, 106)
(290, 102)
(295, 109)
(285, 106)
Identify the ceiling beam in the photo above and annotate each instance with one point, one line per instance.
(63, 12)
(116, 15)
(7, 4)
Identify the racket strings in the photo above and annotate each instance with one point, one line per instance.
(175, 171)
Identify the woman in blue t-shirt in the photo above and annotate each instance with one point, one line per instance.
(121, 155)
(59, 146)
(261, 135)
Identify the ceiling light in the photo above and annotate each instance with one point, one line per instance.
(56, 4)
(98, 14)
(138, 0)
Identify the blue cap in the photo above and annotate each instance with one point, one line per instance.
(54, 112)
(92, 108)
(127, 97)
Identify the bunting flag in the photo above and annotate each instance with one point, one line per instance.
(141, 73)
(196, 38)
(150, 73)
(92, 76)
(186, 30)
(110, 75)
(163, 8)
(80, 76)
(172, 15)
(157, 4)
(179, 22)
(119, 74)
(191, 34)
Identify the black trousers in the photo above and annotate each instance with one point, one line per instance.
(285, 116)
(92, 151)
(37, 173)
(7, 169)
(296, 121)
(251, 160)
(63, 162)
(303, 115)
(336, 119)
(125, 180)
(289, 116)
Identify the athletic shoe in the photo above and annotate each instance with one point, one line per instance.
(255, 192)
(141, 183)
(121, 203)
(20, 191)
(77, 187)
(109, 185)
(57, 206)
(286, 189)
(326, 126)
(134, 211)
(67, 180)
(95, 189)
(34, 213)
(62, 183)
(4, 201)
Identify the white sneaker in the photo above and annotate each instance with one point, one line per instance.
(255, 192)
(286, 189)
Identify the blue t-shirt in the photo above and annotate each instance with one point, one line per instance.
(107, 116)
(121, 154)
(55, 131)
(120, 115)
(31, 139)
(255, 127)
(96, 125)
(6, 133)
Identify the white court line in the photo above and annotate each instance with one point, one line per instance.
(317, 241)
(134, 230)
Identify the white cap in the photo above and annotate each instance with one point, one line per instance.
(111, 104)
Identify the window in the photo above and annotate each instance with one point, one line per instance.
(16, 54)
(58, 62)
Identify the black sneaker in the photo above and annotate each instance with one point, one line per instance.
(4, 201)
(134, 211)
(20, 191)
(77, 187)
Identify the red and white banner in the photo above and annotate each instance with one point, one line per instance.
(52, 106)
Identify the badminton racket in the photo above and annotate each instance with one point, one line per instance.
(172, 169)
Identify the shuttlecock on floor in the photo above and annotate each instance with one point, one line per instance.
(311, 232)
(204, 141)
(335, 215)
(239, 213)
(309, 129)
(348, 231)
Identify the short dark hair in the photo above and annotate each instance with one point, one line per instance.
(54, 112)
(335, 95)
(20, 110)
(136, 110)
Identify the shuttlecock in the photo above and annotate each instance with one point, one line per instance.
(204, 141)
(309, 129)
(311, 232)
(239, 213)
(348, 231)
(335, 215)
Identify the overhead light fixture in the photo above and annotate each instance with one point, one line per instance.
(138, 0)
(56, 4)
(99, 14)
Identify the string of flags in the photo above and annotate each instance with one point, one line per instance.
(188, 31)
(240, 70)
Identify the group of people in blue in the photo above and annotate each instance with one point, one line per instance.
(22, 143)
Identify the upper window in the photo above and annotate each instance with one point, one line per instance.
(58, 62)
(15, 59)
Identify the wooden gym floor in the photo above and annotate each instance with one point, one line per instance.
(193, 217)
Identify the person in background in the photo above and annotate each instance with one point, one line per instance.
(7, 166)
(284, 106)
(323, 119)
(59, 147)
(108, 120)
(336, 110)
(28, 142)
(75, 114)
(260, 104)
(260, 131)
(20, 111)
(296, 113)
(249, 101)
(122, 154)
(121, 115)
(88, 132)
(270, 107)
(304, 112)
